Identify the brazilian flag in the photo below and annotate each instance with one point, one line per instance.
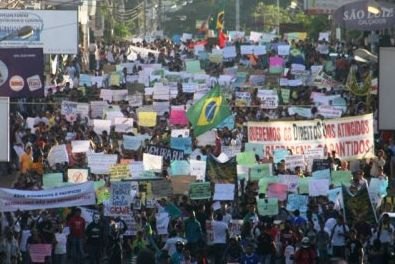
(208, 112)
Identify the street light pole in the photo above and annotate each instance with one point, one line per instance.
(145, 16)
(278, 17)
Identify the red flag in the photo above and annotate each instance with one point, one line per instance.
(222, 38)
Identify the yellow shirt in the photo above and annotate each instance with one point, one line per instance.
(26, 162)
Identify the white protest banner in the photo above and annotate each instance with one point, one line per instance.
(297, 68)
(198, 169)
(71, 195)
(350, 137)
(106, 94)
(162, 223)
(123, 124)
(230, 52)
(246, 49)
(301, 111)
(152, 162)
(100, 125)
(324, 36)
(161, 107)
(83, 109)
(318, 187)
(100, 163)
(311, 154)
(97, 108)
(111, 114)
(77, 175)
(97, 80)
(259, 50)
(293, 161)
(269, 101)
(68, 108)
(58, 154)
(161, 92)
(283, 50)
(180, 132)
(80, 146)
(207, 138)
(291, 181)
(135, 100)
(255, 36)
(224, 192)
(132, 142)
(329, 111)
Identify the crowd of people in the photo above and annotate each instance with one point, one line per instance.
(200, 233)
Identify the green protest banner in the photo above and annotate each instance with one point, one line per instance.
(303, 185)
(285, 94)
(259, 171)
(264, 182)
(246, 158)
(51, 180)
(268, 206)
(193, 66)
(340, 178)
(200, 191)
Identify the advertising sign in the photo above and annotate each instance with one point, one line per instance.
(356, 16)
(21, 72)
(54, 31)
(316, 7)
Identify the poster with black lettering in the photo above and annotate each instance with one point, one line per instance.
(351, 137)
(168, 154)
(320, 164)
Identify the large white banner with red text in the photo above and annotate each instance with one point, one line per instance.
(67, 196)
(350, 137)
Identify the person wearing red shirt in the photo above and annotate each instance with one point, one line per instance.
(77, 230)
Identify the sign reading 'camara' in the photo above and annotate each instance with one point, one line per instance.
(167, 153)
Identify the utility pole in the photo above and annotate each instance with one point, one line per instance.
(159, 14)
(237, 15)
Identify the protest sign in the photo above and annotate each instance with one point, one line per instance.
(67, 196)
(162, 223)
(147, 119)
(97, 108)
(100, 125)
(77, 175)
(178, 117)
(269, 101)
(297, 202)
(293, 161)
(230, 52)
(224, 192)
(283, 50)
(334, 134)
(303, 185)
(120, 198)
(200, 191)
(279, 155)
(235, 226)
(246, 158)
(38, 252)
(291, 181)
(231, 151)
(179, 168)
(198, 169)
(259, 171)
(119, 172)
(123, 124)
(180, 132)
(80, 146)
(336, 196)
(152, 162)
(168, 154)
(320, 164)
(318, 187)
(285, 95)
(100, 163)
(162, 189)
(378, 187)
(182, 143)
(57, 154)
(207, 138)
(264, 183)
(181, 184)
(257, 148)
(132, 142)
(321, 174)
(102, 194)
(193, 66)
(51, 180)
(267, 207)
(277, 190)
(340, 178)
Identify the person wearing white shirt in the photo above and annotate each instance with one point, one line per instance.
(220, 233)
(170, 245)
(338, 238)
(60, 256)
(385, 233)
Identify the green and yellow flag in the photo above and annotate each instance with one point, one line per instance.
(208, 112)
(220, 20)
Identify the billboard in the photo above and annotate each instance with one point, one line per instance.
(318, 7)
(54, 31)
(356, 16)
(386, 91)
(21, 72)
